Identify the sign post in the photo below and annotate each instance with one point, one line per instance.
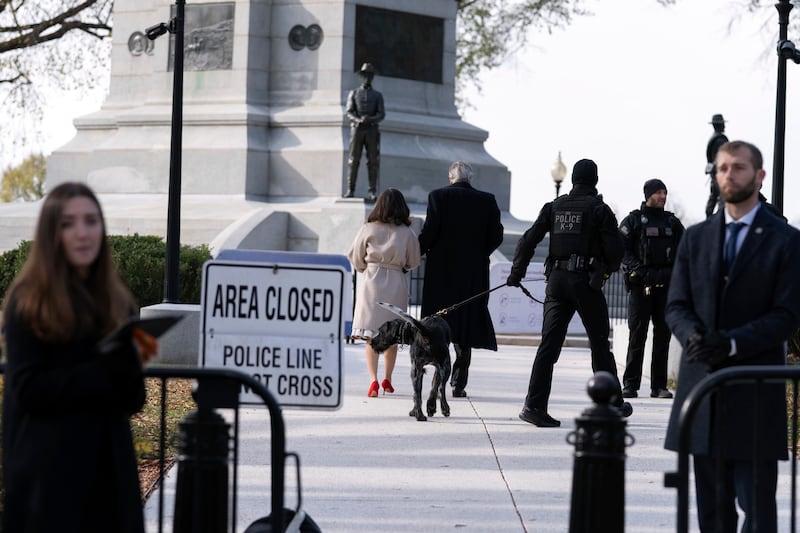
(282, 323)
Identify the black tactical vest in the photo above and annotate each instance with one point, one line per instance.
(656, 240)
(573, 229)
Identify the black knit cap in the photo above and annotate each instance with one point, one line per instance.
(584, 172)
(652, 186)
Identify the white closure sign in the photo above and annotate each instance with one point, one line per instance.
(280, 323)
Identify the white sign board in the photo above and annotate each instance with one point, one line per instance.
(512, 311)
(281, 323)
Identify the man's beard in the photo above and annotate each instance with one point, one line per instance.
(738, 196)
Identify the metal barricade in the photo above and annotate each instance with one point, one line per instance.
(715, 383)
(220, 390)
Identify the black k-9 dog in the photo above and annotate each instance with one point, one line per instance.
(429, 340)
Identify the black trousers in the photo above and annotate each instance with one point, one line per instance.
(641, 309)
(359, 139)
(460, 374)
(718, 491)
(566, 293)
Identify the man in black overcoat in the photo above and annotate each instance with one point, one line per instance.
(462, 228)
(740, 314)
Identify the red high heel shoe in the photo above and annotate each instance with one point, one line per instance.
(373, 390)
(387, 386)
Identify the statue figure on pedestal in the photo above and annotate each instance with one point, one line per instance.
(717, 139)
(365, 111)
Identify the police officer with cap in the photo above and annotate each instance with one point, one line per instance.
(585, 248)
(364, 110)
(651, 237)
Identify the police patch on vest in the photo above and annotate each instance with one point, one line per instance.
(570, 222)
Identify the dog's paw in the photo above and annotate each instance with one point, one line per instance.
(418, 414)
(445, 410)
(431, 407)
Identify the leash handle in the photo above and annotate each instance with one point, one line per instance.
(527, 293)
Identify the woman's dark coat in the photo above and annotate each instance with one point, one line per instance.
(462, 228)
(68, 457)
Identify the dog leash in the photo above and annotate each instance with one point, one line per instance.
(446, 310)
(525, 291)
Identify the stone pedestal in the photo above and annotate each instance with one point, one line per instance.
(265, 85)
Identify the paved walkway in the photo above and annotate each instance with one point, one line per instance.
(370, 467)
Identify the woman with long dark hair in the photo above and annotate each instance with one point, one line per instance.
(68, 457)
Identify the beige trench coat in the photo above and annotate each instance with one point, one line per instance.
(380, 253)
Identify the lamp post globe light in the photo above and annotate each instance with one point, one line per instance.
(558, 172)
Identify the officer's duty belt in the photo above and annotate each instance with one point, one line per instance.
(563, 264)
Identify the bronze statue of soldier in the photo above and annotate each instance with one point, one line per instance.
(365, 111)
(717, 139)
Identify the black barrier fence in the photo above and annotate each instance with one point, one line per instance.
(617, 298)
(206, 492)
(714, 388)
(206, 448)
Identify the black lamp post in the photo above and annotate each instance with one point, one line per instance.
(786, 50)
(175, 27)
(558, 172)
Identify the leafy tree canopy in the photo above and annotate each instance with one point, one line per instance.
(24, 182)
(48, 47)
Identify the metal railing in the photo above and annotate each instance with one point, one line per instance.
(614, 290)
(219, 389)
(716, 383)
(617, 298)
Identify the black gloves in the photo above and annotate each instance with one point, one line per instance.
(513, 280)
(710, 348)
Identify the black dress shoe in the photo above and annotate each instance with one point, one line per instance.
(459, 393)
(349, 194)
(538, 417)
(629, 393)
(661, 393)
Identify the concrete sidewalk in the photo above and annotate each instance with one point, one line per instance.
(370, 467)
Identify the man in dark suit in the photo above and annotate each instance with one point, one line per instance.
(734, 299)
(462, 228)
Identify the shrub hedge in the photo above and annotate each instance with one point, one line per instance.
(140, 261)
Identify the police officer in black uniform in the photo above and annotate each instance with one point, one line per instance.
(365, 110)
(651, 236)
(717, 139)
(585, 248)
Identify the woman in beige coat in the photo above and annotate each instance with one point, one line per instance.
(384, 250)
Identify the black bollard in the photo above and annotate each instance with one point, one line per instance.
(201, 494)
(598, 476)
